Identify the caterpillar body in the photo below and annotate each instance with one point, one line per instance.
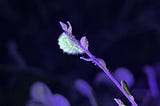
(68, 46)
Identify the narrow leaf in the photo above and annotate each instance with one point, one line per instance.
(125, 87)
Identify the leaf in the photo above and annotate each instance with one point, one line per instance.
(102, 62)
(125, 87)
(84, 42)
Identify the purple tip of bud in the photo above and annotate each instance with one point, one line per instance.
(83, 87)
(69, 28)
(40, 92)
(63, 25)
(59, 100)
(124, 74)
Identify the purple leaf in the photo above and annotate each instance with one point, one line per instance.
(84, 42)
(102, 62)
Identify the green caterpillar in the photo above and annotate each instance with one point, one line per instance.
(68, 46)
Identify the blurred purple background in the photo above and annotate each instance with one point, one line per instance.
(125, 33)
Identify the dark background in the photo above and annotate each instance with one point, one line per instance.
(125, 33)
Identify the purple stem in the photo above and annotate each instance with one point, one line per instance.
(106, 71)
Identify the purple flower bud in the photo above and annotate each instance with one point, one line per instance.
(59, 100)
(124, 74)
(83, 87)
(40, 92)
(150, 73)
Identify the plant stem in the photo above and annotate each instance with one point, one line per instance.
(106, 71)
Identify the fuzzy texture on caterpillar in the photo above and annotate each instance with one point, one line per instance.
(68, 46)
